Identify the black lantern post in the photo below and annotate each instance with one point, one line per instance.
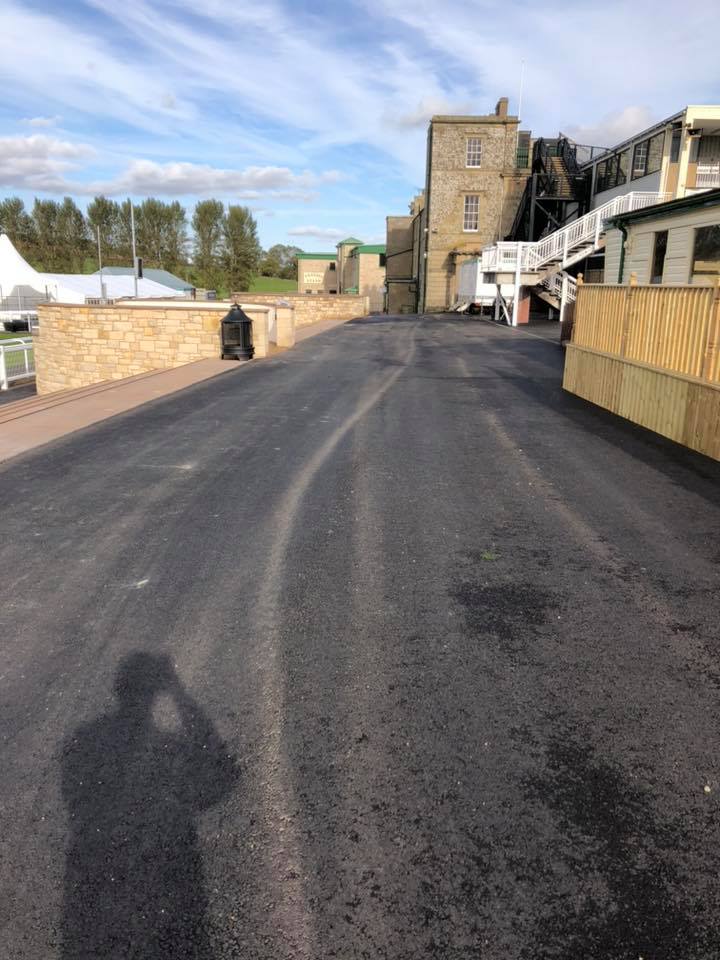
(236, 331)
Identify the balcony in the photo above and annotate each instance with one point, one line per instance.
(707, 176)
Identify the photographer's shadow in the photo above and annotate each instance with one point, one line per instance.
(134, 789)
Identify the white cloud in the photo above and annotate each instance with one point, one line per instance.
(581, 62)
(613, 127)
(321, 233)
(166, 80)
(76, 67)
(42, 163)
(425, 109)
(39, 162)
(42, 121)
(287, 58)
(145, 177)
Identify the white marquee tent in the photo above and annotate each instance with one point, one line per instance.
(22, 287)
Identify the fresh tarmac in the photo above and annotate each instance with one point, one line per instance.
(381, 648)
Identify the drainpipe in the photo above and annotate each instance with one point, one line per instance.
(623, 230)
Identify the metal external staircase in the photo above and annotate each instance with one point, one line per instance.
(556, 186)
(503, 269)
(566, 246)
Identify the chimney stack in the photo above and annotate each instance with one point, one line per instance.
(501, 110)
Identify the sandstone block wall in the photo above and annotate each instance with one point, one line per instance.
(318, 276)
(399, 248)
(312, 308)
(496, 182)
(401, 272)
(82, 344)
(372, 281)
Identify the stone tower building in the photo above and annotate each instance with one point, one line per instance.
(472, 188)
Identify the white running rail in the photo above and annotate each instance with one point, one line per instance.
(17, 360)
(569, 244)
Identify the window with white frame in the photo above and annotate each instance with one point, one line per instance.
(473, 152)
(640, 155)
(471, 213)
(647, 156)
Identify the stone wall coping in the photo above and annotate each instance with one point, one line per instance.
(292, 295)
(163, 305)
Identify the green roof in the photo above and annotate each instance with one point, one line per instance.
(317, 256)
(349, 240)
(369, 248)
(696, 200)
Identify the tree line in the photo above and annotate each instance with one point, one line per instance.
(218, 248)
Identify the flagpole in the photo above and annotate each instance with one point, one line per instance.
(519, 111)
(520, 96)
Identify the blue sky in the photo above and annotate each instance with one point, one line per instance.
(315, 114)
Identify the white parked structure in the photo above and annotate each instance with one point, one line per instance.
(22, 287)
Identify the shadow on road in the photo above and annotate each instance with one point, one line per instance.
(135, 781)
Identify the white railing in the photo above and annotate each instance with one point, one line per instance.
(707, 176)
(17, 360)
(554, 283)
(502, 258)
(569, 244)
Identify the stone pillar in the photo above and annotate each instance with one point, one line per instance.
(285, 326)
(260, 331)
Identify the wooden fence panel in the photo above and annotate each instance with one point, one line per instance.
(671, 328)
(601, 310)
(651, 354)
(684, 409)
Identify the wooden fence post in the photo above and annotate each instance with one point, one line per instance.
(627, 315)
(713, 333)
(574, 311)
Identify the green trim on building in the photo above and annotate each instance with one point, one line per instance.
(670, 207)
(317, 256)
(349, 240)
(369, 248)
(352, 290)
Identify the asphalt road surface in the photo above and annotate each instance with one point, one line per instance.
(382, 648)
